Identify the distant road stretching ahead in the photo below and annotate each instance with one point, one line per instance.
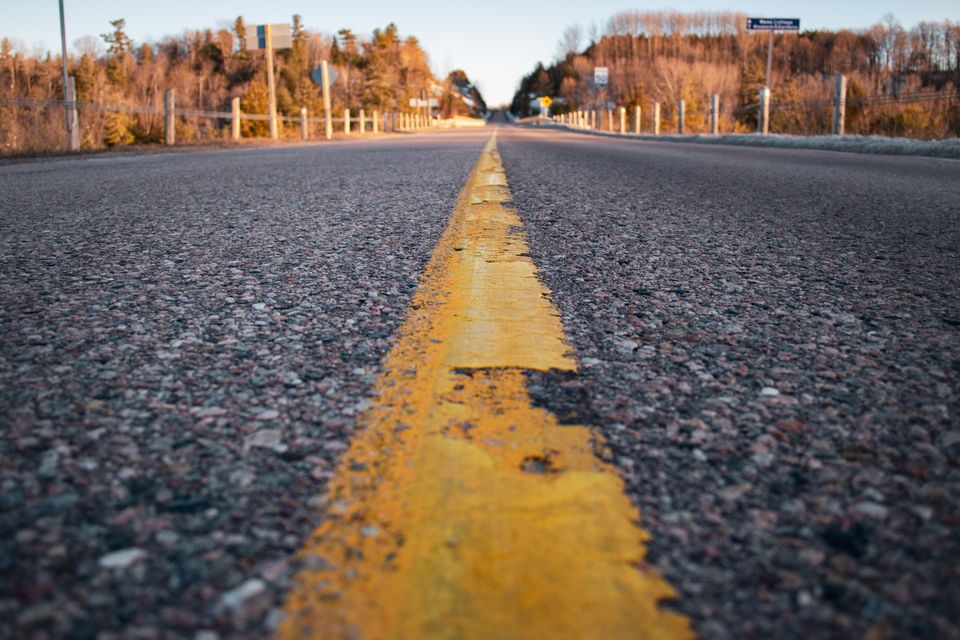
(762, 344)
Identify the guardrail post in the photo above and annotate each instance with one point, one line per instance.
(656, 118)
(593, 119)
(610, 120)
(763, 114)
(235, 119)
(376, 121)
(346, 122)
(169, 117)
(840, 105)
(681, 114)
(636, 118)
(715, 114)
(73, 121)
(304, 124)
(363, 122)
(623, 120)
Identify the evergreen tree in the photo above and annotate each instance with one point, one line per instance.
(119, 50)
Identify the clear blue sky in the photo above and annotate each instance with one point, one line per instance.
(495, 42)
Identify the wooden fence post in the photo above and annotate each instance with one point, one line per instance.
(304, 124)
(840, 105)
(763, 114)
(636, 119)
(327, 115)
(73, 120)
(376, 121)
(656, 118)
(235, 119)
(715, 114)
(169, 117)
(623, 120)
(681, 115)
(346, 122)
(363, 122)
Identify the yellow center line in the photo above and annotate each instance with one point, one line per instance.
(461, 510)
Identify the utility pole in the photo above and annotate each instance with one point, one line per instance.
(73, 138)
(273, 93)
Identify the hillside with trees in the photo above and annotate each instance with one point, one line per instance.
(900, 81)
(207, 69)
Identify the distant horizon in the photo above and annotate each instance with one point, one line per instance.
(495, 50)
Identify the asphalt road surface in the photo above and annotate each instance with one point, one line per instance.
(768, 341)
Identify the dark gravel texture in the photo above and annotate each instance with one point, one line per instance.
(186, 341)
(770, 341)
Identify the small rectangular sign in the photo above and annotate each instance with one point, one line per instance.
(601, 76)
(280, 37)
(773, 24)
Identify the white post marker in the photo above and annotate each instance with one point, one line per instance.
(304, 124)
(636, 119)
(681, 115)
(363, 122)
(656, 118)
(346, 122)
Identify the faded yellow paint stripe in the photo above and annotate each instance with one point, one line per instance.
(461, 511)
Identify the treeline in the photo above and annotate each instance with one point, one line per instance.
(207, 69)
(900, 81)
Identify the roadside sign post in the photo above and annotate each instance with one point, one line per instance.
(601, 78)
(772, 25)
(269, 37)
(321, 76)
(545, 103)
(274, 134)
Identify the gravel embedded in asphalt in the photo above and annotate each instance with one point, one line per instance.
(187, 340)
(770, 342)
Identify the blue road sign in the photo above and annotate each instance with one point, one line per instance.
(773, 24)
(317, 75)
